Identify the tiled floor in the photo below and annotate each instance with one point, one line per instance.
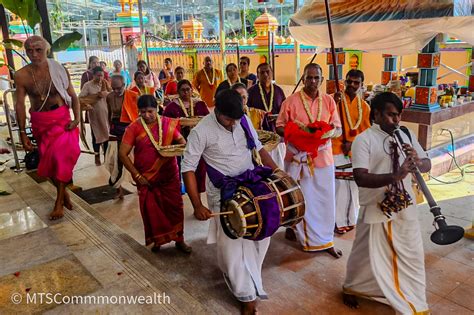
(97, 251)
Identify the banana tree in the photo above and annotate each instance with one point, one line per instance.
(27, 11)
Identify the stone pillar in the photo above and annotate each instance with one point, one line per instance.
(340, 61)
(426, 97)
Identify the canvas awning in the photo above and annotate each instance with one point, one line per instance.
(395, 27)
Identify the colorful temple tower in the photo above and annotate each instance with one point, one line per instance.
(130, 19)
(192, 31)
(19, 28)
(264, 24)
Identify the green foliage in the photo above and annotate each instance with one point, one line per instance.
(11, 43)
(251, 15)
(24, 9)
(57, 17)
(63, 42)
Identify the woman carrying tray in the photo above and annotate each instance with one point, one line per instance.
(184, 106)
(157, 177)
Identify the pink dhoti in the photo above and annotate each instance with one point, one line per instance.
(58, 148)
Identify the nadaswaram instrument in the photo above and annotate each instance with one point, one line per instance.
(445, 234)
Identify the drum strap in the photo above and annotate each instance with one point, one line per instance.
(257, 160)
(219, 180)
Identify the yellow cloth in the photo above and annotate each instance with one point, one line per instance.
(206, 90)
(410, 93)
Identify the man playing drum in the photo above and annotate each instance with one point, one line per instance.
(222, 138)
(355, 119)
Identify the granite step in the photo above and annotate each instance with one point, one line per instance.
(135, 259)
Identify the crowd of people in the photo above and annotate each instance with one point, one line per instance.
(343, 185)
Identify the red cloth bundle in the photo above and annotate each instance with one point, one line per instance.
(307, 138)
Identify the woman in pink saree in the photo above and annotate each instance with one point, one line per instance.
(157, 177)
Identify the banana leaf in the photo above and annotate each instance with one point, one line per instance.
(25, 9)
(11, 43)
(63, 42)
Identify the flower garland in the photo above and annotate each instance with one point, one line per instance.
(348, 115)
(230, 83)
(213, 76)
(158, 144)
(268, 109)
(191, 107)
(308, 110)
(143, 91)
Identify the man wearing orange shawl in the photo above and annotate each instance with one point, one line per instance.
(355, 117)
(157, 177)
(206, 81)
(315, 174)
(48, 86)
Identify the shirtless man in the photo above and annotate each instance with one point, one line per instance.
(48, 87)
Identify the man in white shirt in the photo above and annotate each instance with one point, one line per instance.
(387, 261)
(222, 139)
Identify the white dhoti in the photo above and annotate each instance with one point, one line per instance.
(240, 260)
(347, 194)
(118, 173)
(278, 155)
(386, 264)
(316, 230)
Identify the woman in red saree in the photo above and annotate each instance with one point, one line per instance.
(157, 177)
(185, 106)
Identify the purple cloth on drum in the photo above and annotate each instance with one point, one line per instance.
(254, 180)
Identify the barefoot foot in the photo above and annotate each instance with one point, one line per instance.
(67, 201)
(185, 248)
(336, 253)
(97, 160)
(119, 194)
(290, 234)
(350, 300)
(57, 213)
(248, 308)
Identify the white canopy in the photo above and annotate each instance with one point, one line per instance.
(394, 27)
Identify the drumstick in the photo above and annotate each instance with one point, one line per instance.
(222, 213)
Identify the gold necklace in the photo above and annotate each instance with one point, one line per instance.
(307, 108)
(42, 91)
(158, 144)
(213, 76)
(348, 115)
(268, 109)
(191, 107)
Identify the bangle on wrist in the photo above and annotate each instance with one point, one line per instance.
(22, 131)
(137, 176)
